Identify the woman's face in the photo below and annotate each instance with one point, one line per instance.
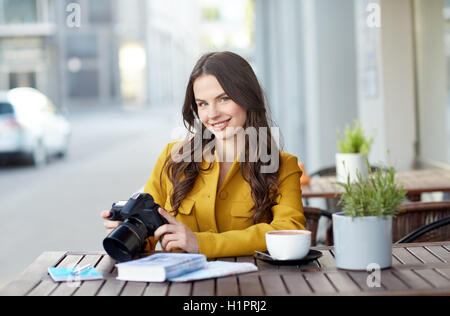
(221, 115)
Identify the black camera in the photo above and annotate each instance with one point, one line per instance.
(140, 219)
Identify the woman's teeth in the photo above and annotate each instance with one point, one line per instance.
(221, 125)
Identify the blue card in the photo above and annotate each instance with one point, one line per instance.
(67, 275)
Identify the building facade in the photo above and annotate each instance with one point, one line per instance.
(325, 63)
(28, 48)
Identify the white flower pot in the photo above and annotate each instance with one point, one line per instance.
(350, 165)
(361, 241)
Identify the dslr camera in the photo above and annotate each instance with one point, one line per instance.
(140, 219)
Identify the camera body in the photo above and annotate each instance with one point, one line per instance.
(140, 218)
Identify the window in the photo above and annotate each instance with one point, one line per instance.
(22, 79)
(100, 11)
(19, 11)
(82, 46)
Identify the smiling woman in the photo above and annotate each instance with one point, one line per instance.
(214, 206)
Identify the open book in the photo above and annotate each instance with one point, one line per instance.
(178, 267)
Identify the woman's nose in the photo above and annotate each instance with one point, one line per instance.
(212, 111)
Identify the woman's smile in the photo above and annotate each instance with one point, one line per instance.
(220, 125)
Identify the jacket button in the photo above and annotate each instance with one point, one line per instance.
(223, 195)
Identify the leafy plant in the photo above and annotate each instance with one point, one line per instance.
(379, 196)
(354, 140)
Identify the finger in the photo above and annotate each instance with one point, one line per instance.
(164, 229)
(111, 224)
(105, 214)
(173, 245)
(168, 238)
(166, 215)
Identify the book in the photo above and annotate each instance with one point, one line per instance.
(160, 267)
(67, 274)
(215, 269)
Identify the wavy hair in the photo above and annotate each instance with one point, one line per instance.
(240, 83)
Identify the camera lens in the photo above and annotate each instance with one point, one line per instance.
(126, 241)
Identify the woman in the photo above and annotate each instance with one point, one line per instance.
(225, 187)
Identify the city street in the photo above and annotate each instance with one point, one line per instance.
(58, 207)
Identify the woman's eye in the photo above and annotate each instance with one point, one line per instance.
(202, 104)
(224, 99)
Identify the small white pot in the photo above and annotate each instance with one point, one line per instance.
(350, 165)
(361, 241)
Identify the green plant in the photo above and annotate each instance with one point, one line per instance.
(379, 196)
(354, 140)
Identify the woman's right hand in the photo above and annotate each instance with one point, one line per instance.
(109, 225)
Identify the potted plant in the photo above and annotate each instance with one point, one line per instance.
(353, 150)
(363, 230)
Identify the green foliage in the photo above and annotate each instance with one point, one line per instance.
(379, 196)
(354, 140)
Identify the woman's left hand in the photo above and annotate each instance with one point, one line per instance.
(176, 235)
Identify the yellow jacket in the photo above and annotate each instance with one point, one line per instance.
(218, 216)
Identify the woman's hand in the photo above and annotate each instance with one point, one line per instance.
(176, 235)
(109, 225)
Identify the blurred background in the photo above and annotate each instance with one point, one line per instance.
(116, 71)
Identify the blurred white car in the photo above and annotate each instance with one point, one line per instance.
(30, 125)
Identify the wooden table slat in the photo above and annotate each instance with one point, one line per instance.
(249, 285)
(391, 282)
(90, 288)
(405, 256)
(32, 274)
(296, 284)
(413, 280)
(227, 286)
(441, 252)
(156, 289)
(273, 285)
(424, 255)
(134, 289)
(319, 283)
(436, 279)
(47, 285)
(445, 272)
(342, 282)
(180, 289)
(204, 287)
(360, 277)
(111, 286)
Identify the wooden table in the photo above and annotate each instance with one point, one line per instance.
(418, 269)
(415, 182)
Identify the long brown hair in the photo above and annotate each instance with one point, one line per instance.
(239, 82)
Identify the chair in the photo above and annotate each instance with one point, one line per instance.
(313, 215)
(422, 222)
(412, 237)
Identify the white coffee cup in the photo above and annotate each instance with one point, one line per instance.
(288, 244)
